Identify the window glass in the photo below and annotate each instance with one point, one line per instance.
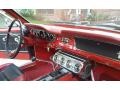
(4, 21)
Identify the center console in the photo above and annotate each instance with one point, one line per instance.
(69, 63)
(72, 63)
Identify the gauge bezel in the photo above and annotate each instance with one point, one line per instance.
(41, 34)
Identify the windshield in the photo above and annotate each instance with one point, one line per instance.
(94, 17)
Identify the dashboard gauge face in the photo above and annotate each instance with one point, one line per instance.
(37, 34)
(43, 35)
(69, 64)
(77, 67)
(55, 58)
(62, 61)
(46, 35)
(72, 63)
(59, 58)
(51, 37)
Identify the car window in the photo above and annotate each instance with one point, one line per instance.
(4, 21)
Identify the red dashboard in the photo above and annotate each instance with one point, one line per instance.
(65, 41)
(63, 38)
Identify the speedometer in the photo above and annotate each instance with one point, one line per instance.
(42, 34)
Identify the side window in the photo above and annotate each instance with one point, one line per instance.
(4, 21)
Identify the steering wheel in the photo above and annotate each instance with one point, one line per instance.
(13, 37)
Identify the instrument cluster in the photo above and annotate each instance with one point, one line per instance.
(42, 34)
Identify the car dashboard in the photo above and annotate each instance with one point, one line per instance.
(74, 53)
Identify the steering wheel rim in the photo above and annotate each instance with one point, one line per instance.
(12, 54)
